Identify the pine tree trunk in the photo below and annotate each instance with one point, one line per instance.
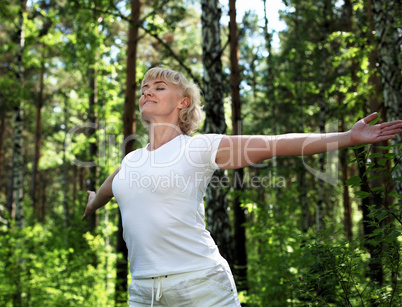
(389, 41)
(38, 129)
(66, 167)
(347, 206)
(375, 271)
(323, 113)
(93, 149)
(270, 94)
(216, 203)
(129, 122)
(300, 100)
(240, 254)
(2, 130)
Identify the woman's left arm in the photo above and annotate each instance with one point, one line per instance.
(243, 150)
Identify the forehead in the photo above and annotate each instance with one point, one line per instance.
(149, 82)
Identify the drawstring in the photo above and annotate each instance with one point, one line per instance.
(158, 286)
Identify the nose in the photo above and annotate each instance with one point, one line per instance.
(148, 92)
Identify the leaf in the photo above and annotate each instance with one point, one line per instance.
(358, 146)
(375, 189)
(395, 194)
(381, 216)
(353, 181)
(372, 123)
(382, 162)
(392, 236)
(362, 194)
(376, 155)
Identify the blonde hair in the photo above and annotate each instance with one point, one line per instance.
(190, 117)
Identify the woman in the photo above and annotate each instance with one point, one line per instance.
(160, 188)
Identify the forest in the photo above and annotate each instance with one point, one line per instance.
(322, 230)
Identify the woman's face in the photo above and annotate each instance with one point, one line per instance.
(161, 101)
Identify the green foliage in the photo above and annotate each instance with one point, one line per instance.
(53, 261)
(335, 269)
(67, 269)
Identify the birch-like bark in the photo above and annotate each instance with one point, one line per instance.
(389, 41)
(216, 203)
(17, 169)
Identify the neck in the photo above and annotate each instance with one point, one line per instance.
(161, 134)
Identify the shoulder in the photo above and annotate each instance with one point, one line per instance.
(205, 139)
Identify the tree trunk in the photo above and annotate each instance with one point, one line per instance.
(2, 130)
(323, 113)
(15, 201)
(66, 166)
(390, 59)
(18, 167)
(216, 203)
(240, 254)
(299, 93)
(38, 130)
(270, 94)
(375, 268)
(347, 206)
(92, 119)
(129, 122)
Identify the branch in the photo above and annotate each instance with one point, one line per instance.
(174, 55)
(140, 24)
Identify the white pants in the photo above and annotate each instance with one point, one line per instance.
(211, 287)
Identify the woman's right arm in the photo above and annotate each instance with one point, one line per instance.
(101, 198)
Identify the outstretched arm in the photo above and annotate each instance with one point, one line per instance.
(101, 198)
(244, 150)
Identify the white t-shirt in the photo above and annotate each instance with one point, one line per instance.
(160, 194)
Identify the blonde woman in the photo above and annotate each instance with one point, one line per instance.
(160, 188)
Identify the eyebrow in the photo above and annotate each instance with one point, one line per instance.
(156, 82)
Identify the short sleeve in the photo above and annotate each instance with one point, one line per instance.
(202, 150)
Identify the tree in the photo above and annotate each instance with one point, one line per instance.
(216, 203)
(390, 60)
(240, 253)
(129, 122)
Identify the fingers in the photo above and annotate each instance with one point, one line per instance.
(370, 118)
(86, 214)
(391, 128)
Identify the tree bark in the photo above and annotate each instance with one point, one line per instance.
(93, 149)
(2, 130)
(15, 201)
(347, 206)
(240, 254)
(129, 122)
(66, 166)
(38, 131)
(323, 112)
(390, 60)
(216, 202)
(300, 101)
(18, 167)
(375, 267)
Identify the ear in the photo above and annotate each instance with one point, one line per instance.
(184, 103)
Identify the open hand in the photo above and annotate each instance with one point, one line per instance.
(88, 209)
(363, 133)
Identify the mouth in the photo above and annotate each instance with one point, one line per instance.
(148, 102)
